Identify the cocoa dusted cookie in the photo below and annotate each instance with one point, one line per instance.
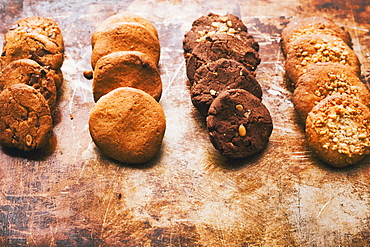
(212, 24)
(22, 44)
(338, 130)
(126, 36)
(128, 125)
(239, 124)
(217, 76)
(25, 118)
(221, 46)
(27, 71)
(315, 48)
(122, 17)
(324, 79)
(40, 25)
(312, 25)
(126, 69)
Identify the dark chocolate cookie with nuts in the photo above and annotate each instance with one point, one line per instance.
(40, 25)
(311, 25)
(221, 46)
(315, 48)
(217, 76)
(27, 71)
(25, 118)
(212, 24)
(324, 79)
(22, 44)
(338, 130)
(239, 124)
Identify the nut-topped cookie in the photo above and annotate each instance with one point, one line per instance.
(39, 25)
(221, 46)
(126, 69)
(122, 17)
(25, 118)
(310, 49)
(27, 71)
(126, 36)
(239, 124)
(312, 25)
(213, 24)
(338, 130)
(217, 76)
(324, 79)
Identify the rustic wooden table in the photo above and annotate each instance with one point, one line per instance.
(69, 194)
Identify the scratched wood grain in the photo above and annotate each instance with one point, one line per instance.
(69, 194)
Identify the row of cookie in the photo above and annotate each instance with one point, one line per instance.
(221, 57)
(328, 94)
(127, 123)
(31, 58)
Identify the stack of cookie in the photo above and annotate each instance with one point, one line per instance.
(127, 123)
(221, 59)
(31, 59)
(328, 95)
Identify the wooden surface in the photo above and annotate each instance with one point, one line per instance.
(69, 194)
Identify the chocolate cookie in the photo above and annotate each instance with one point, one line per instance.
(122, 17)
(312, 25)
(212, 24)
(40, 25)
(126, 36)
(217, 76)
(310, 49)
(239, 124)
(27, 71)
(25, 120)
(23, 44)
(126, 69)
(325, 79)
(221, 46)
(128, 125)
(338, 130)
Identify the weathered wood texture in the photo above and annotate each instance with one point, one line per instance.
(69, 194)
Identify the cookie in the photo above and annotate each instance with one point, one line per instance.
(126, 69)
(217, 76)
(126, 36)
(310, 49)
(40, 25)
(122, 17)
(324, 79)
(239, 124)
(22, 44)
(212, 24)
(25, 119)
(312, 25)
(128, 125)
(221, 46)
(27, 71)
(338, 130)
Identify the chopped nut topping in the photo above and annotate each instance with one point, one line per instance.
(212, 92)
(239, 107)
(247, 113)
(29, 139)
(242, 131)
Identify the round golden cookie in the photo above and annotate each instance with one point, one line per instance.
(27, 71)
(40, 25)
(23, 44)
(315, 48)
(338, 130)
(325, 79)
(25, 118)
(311, 25)
(126, 69)
(128, 125)
(122, 17)
(126, 36)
